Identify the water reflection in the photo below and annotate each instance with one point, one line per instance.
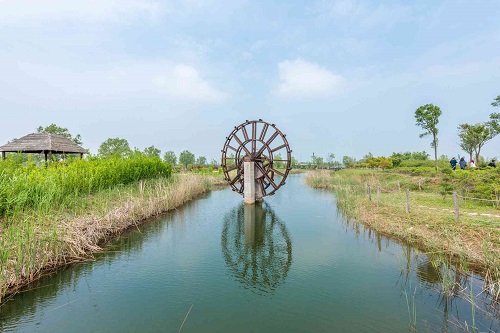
(257, 247)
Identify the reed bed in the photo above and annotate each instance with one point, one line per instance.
(33, 242)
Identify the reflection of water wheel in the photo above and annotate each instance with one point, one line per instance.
(253, 140)
(263, 262)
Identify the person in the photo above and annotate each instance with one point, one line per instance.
(453, 163)
(472, 164)
(492, 163)
(462, 163)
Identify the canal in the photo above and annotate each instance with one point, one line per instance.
(292, 264)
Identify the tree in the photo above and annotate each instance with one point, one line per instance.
(152, 151)
(466, 139)
(186, 158)
(54, 129)
(348, 161)
(496, 101)
(427, 117)
(114, 147)
(278, 164)
(317, 161)
(476, 136)
(330, 159)
(202, 160)
(170, 157)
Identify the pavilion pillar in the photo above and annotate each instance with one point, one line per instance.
(3, 155)
(50, 155)
(45, 152)
(81, 155)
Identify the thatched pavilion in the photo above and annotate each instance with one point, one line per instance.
(43, 143)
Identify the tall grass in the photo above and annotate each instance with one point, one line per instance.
(32, 242)
(56, 184)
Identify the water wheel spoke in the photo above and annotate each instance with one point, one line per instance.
(231, 147)
(245, 133)
(238, 176)
(241, 145)
(268, 142)
(278, 148)
(254, 136)
(269, 179)
(278, 172)
(261, 185)
(264, 131)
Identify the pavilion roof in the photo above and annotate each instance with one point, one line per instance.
(43, 142)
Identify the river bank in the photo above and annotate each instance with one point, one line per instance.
(33, 243)
(473, 241)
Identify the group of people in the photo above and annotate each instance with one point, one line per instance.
(463, 163)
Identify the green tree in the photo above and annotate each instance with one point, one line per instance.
(427, 117)
(317, 161)
(496, 101)
(54, 129)
(348, 161)
(476, 136)
(114, 147)
(466, 139)
(186, 158)
(152, 151)
(330, 158)
(420, 155)
(367, 157)
(278, 164)
(202, 160)
(170, 157)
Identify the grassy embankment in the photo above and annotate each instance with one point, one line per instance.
(59, 214)
(474, 241)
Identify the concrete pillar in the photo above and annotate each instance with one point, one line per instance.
(249, 225)
(249, 182)
(3, 155)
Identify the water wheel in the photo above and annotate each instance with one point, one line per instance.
(260, 142)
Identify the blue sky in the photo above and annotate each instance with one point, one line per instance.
(342, 77)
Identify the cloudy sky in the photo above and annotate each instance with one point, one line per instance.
(342, 77)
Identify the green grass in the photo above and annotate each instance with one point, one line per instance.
(63, 218)
(58, 184)
(430, 223)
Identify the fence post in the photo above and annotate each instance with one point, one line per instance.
(455, 202)
(407, 200)
(399, 186)
(369, 192)
(420, 184)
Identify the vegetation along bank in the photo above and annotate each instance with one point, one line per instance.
(59, 212)
(378, 199)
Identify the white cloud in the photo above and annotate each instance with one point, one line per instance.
(161, 79)
(299, 78)
(24, 11)
(184, 81)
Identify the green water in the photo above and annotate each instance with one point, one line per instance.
(292, 264)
